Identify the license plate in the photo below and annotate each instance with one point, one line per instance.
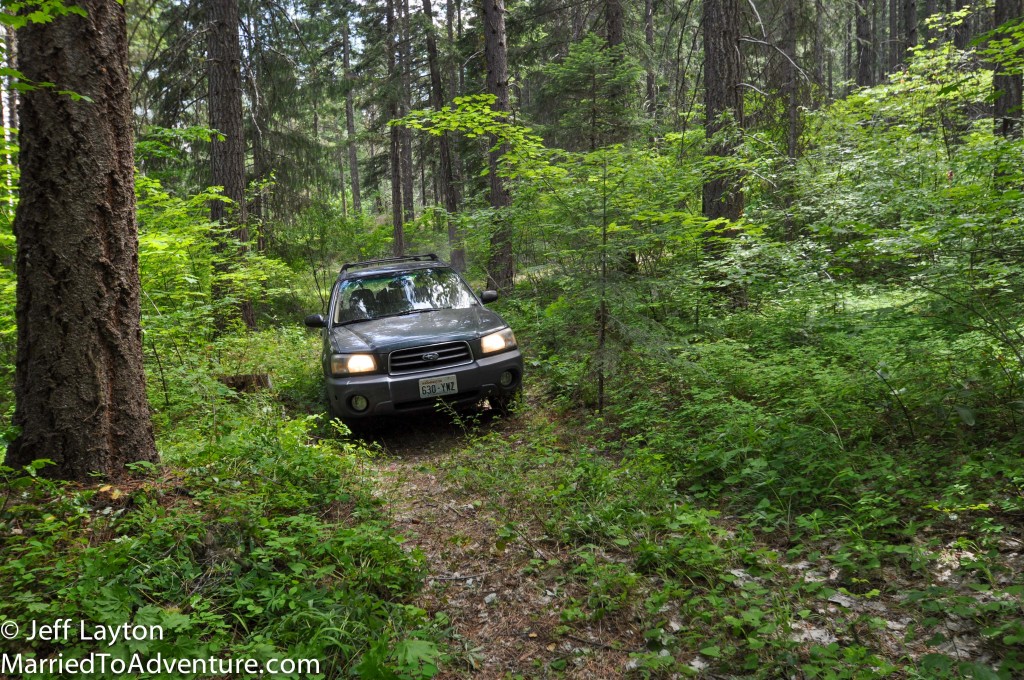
(438, 387)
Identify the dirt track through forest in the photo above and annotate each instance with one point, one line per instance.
(503, 608)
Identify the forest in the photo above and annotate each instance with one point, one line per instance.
(764, 260)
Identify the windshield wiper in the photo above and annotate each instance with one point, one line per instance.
(416, 311)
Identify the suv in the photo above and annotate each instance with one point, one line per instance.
(404, 332)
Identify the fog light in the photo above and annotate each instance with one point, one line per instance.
(359, 403)
(506, 379)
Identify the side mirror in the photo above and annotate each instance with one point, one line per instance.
(315, 321)
(488, 296)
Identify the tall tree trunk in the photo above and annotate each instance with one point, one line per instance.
(962, 33)
(341, 181)
(405, 134)
(449, 190)
(910, 23)
(790, 76)
(652, 73)
(876, 66)
(395, 157)
(79, 384)
(227, 155)
(848, 52)
(818, 52)
(261, 123)
(864, 61)
(614, 22)
(501, 266)
(350, 119)
(722, 98)
(1007, 86)
(895, 50)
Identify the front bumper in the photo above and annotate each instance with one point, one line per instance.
(391, 394)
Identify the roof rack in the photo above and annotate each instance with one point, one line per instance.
(429, 257)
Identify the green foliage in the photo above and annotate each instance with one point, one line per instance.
(258, 536)
(255, 544)
(591, 95)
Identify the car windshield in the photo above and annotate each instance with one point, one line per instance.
(420, 290)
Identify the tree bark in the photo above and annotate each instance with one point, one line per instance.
(446, 176)
(227, 155)
(79, 383)
(395, 156)
(614, 21)
(818, 52)
(864, 62)
(1007, 86)
(722, 98)
(962, 33)
(652, 76)
(909, 24)
(790, 76)
(404, 103)
(501, 266)
(895, 42)
(350, 119)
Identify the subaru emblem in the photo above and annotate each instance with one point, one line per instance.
(431, 356)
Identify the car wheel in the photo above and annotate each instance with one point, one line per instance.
(505, 402)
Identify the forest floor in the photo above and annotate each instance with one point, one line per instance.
(492, 570)
(521, 603)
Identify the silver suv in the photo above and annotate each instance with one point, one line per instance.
(403, 333)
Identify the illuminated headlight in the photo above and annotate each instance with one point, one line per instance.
(498, 342)
(347, 364)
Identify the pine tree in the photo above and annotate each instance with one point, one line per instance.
(227, 153)
(79, 383)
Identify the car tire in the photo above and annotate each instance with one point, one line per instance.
(505, 402)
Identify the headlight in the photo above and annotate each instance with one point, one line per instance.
(347, 364)
(498, 342)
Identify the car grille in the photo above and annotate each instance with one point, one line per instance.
(429, 357)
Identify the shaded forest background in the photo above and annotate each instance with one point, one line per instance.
(765, 259)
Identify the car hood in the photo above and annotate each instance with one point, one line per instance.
(414, 330)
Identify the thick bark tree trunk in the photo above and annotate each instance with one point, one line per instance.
(350, 120)
(501, 267)
(227, 156)
(1007, 86)
(722, 97)
(446, 176)
(79, 384)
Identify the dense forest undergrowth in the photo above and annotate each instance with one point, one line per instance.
(767, 511)
(781, 443)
